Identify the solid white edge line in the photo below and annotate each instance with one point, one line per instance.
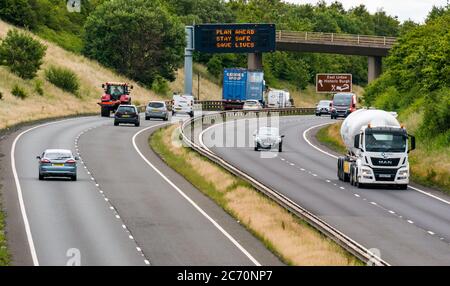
(331, 155)
(19, 191)
(223, 231)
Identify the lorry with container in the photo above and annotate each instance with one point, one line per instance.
(343, 104)
(115, 94)
(240, 85)
(377, 150)
(277, 98)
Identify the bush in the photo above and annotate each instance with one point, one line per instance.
(160, 86)
(38, 87)
(19, 92)
(18, 12)
(63, 78)
(22, 54)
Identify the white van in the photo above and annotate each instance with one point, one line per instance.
(277, 98)
(183, 104)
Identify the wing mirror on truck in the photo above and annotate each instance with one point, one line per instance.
(357, 139)
(413, 143)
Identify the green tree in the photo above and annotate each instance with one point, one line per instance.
(140, 39)
(18, 12)
(22, 54)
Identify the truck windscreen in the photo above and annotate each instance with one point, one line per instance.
(342, 99)
(385, 142)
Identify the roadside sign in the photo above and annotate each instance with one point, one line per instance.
(235, 38)
(333, 83)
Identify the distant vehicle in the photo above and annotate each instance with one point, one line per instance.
(183, 104)
(252, 105)
(128, 114)
(115, 94)
(343, 105)
(57, 163)
(324, 107)
(268, 138)
(240, 85)
(377, 150)
(157, 109)
(277, 98)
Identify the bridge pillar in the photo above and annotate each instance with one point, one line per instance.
(375, 68)
(255, 61)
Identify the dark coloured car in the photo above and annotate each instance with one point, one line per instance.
(127, 114)
(324, 107)
(57, 163)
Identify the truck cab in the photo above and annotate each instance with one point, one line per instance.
(343, 105)
(377, 153)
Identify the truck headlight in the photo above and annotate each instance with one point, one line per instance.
(366, 172)
(403, 173)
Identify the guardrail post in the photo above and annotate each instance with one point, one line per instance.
(358, 39)
(384, 40)
(332, 37)
(306, 36)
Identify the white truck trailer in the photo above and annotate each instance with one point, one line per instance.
(277, 98)
(377, 150)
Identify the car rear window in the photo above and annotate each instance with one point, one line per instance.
(126, 109)
(156, 104)
(58, 155)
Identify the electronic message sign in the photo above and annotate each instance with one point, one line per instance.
(235, 38)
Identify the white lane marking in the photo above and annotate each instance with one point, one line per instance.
(392, 212)
(410, 221)
(430, 232)
(220, 228)
(356, 195)
(19, 190)
(342, 188)
(333, 156)
(373, 203)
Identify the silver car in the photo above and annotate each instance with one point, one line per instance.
(157, 109)
(268, 138)
(324, 107)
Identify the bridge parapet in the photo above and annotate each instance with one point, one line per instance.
(335, 39)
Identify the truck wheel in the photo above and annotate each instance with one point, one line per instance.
(41, 177)
(105, 111)
(280, 147)
(73, 178)
(116, 123)
(257, 147)
(403, 187)
(137, 124)
(147, 117)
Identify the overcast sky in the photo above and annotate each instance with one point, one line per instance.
(416, 10)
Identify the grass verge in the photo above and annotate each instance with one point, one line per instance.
(294, 241)
(4, 254)
(429, 167)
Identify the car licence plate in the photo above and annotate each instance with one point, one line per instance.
(58, 165)
(126, 116)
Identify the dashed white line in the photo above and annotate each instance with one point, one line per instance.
(410, 221)
(430, 232)
(218, 226)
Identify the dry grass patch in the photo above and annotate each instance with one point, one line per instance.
(54, 101)
(295, 242)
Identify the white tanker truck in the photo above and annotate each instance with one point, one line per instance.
(377, 150)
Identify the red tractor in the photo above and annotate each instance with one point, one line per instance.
(115, 95)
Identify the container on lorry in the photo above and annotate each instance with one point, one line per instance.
(277, 98)
(240, 85)
(343, 105)
(377, 150)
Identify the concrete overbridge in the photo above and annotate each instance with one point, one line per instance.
(374, 47)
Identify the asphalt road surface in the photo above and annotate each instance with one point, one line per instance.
(127, 207)
(407, 227)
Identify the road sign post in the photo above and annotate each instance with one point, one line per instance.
(334, 83)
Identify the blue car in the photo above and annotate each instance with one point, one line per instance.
(57, 163)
